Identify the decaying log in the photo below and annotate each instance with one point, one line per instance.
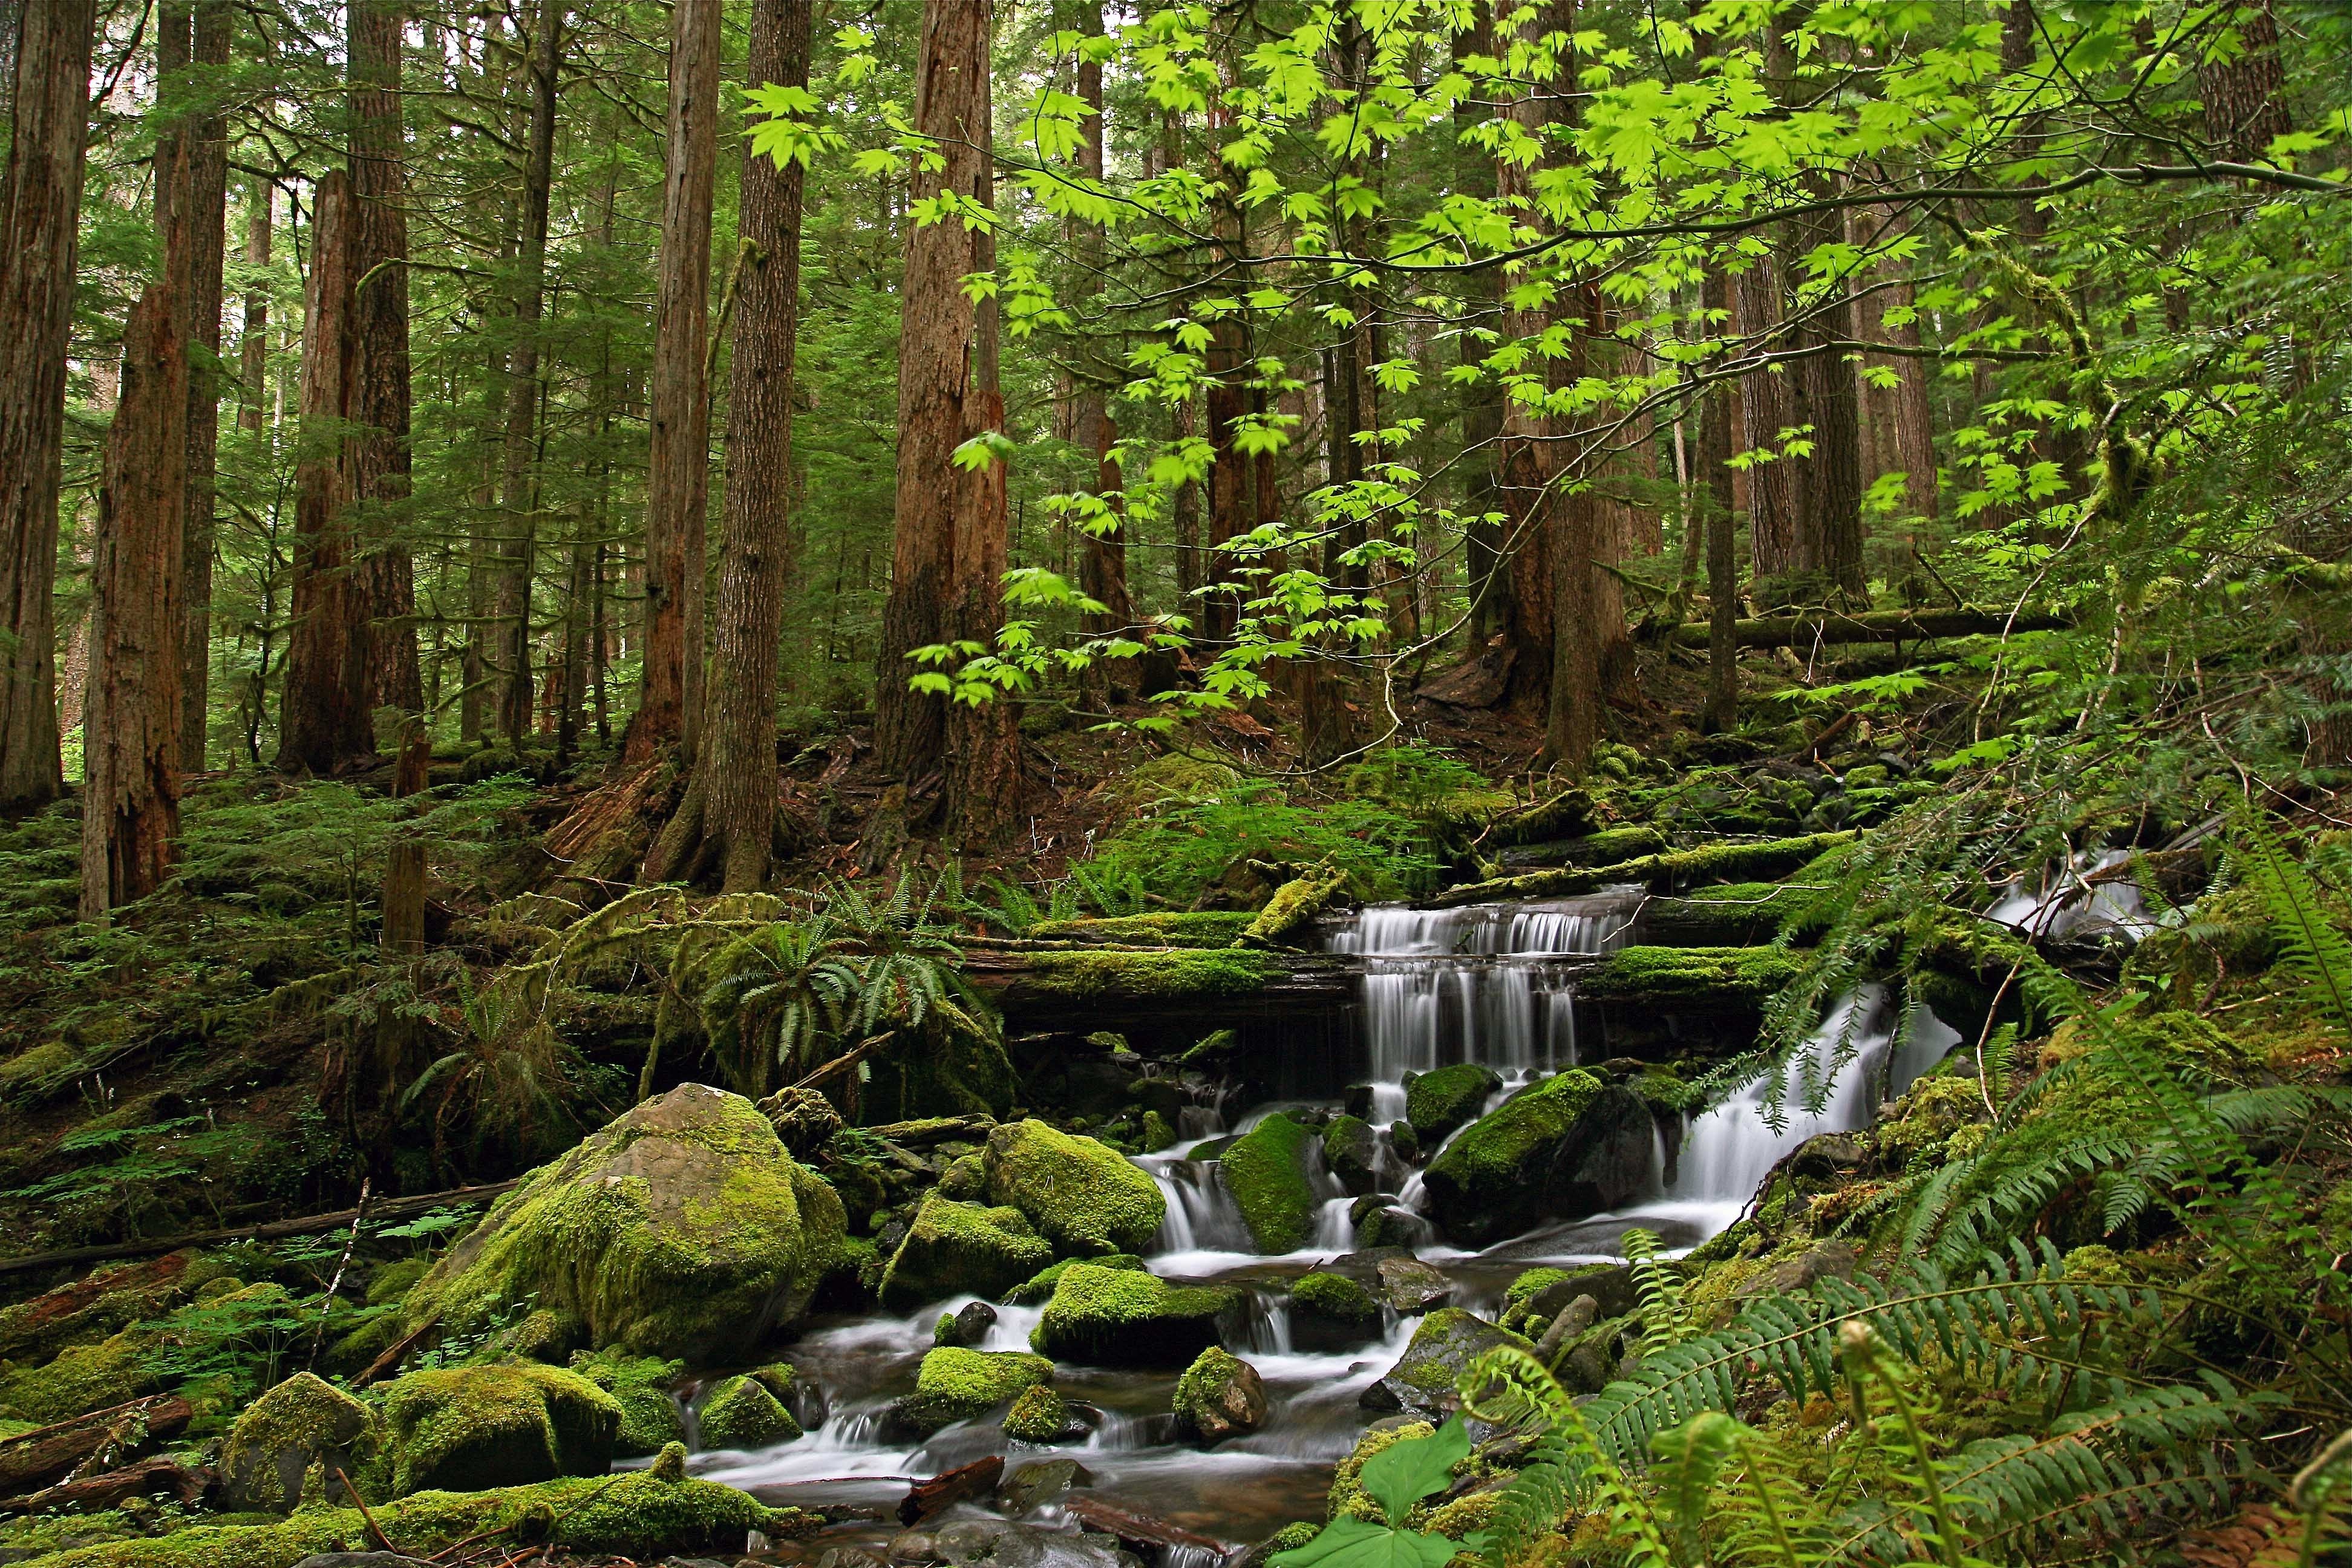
(978, 1478)
(308, 1225)
(49, 1453)
(1134, 1529)
(145, 1479)
(1826, 629)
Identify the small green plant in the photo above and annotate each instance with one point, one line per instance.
(1397, 1477)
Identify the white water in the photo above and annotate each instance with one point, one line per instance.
(2063, 902)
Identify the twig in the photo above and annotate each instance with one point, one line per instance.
(335, 1283)
(360, 1503)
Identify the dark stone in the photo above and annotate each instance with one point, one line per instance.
(1824, 1157)
(1610, 1286)
(1351, 1149)
(1830, 1259)
(1040, 1482)
(1410, 1285)
(1357, 1100)
(1425, 1378)
(969, 1326)
(1568, 1148)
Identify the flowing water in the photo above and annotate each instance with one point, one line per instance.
(1491, 984)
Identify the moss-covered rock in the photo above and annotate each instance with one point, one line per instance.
(1219, 1396)
(1038, 1289)
(952, 1248)
(1157, 1132)
(1425, 1379)
(1329, 1304)
(301, 1422)
(1351, 1152)
(683, 1228)
(645, 1515)
(650, 1416)
(742, 1413)
(1569, 1147)
(1038, 1416)
(1439, 1101)
(1710, 976)
(1348, 1499)
(1267, 1173)
(955, 1384)
(470, 1428)
(1081, 1196)
(1116, 1317)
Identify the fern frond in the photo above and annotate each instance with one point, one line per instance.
(2310, 944)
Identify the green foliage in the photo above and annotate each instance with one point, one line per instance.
(1184, 846)
(1397, 1477)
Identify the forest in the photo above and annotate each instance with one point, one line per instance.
(1175, 784)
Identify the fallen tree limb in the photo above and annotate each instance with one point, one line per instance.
(1669, 873)
(49, 1453)
(395, 1352)
(144, 1478)
(1135, 1529)
(1827, 628)
(272, 1230)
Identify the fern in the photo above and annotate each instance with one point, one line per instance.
(2310, 944)
(1665, 1320)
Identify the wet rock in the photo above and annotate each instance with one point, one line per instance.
(1081, 1196)
(1352, 1149)
(1595, 1356)
(1405, 1142)
(1038, 1289)
(1108, 1317)
(1438, 1102)
(1356, 1099)
(1570, 1147)
(1536, 1296)
(1267, 1170)
(913, 1546)
(1330, 1313)
(955, 1384)
(1040, 1415)
(650, 1416)
(1830, 1259)
(1410, 1285)
(301, 1422)
(1424, 1378)
(1368, 1203)
(1039, 1482)
(955, 1247)
(1388, 1225)
(744, 1412)
(469, 1428)
(1825, 1156)
(805, 1119)
(682, 1228)
(967, 1327)
(1219, 1396)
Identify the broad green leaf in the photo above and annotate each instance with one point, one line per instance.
(1401, 1474)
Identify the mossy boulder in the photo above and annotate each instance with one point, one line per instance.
(1569, 1147)
(1351, 1152)
(951, 1249)
(682, 1228)
(470, 1428)
(955, 1384)
(1038, 1416)
(1082, 1197)
(1426, 1378)
(1267, 1171)
(1039, 1287)
(645, 1515)
(1116, 1317)
(303, 1421)
(1438, 1102)
(1348, 1499)
(1331, 1312)
(1219, 1396)
(650, 1416)
(742, 1413)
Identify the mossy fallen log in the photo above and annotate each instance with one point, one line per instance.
(1124, 988)
(269, 1230)
(1667, 873)
(1871, 626)
(1667, 977)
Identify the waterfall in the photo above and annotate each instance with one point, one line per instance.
(2066, 900)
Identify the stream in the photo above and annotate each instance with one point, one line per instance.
(1494, 985)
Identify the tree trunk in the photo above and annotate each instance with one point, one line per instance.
(377, 372)
(2244, 106)
(206, 140)
(324, 722)
(1899, 418)
(678, 478)
(1765, 406)
(937, 382)
(755, 541)
(402, 931)
(1481, 402)
(253, 342)
(131, 754)
(518, 481)
(1102, 559)
(1829, 482)
(1718, 440)
(39, 241)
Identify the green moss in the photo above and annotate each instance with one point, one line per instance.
(1039, 1287)
(125, 1366)
(1205, 928)
(1289, 1537)
(1524, 1289)
(88, 1309)
(965, 1179)
(947, 1068)
(301, 1421)
(1335, 1297)
(1347, 1498)
(467, 1428)
(1081, 1196)
(650, 1416)
(1295, 907)
(1157, 1133)
(1038, 1416)
(683, 1228)
(393, 1280)
(1491, 1179)
(1741, 976)
(1266, 1171)
(1609, 847)
(31, 1076)
(1219, 1396)
(1437, 1102)
(955, 1384)
(1116, 1317)
(742, 1413)
(1684, 868)
(645, 1514)
(1178, 975)
(954, 1247)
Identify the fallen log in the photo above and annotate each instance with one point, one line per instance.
(1829, 628)
(1723, 862)
(49, 1453)
(272, 1230)
(396, 1352)
(978, 1478)
(145, 1479)
(1135, 1529)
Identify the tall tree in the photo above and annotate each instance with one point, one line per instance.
(1718, 438)
(1767, 411)
(2243, 86)
(519, 483)
(677, 482)
(755, 540)
(130, 757)
(49, 128)
(1102, 560)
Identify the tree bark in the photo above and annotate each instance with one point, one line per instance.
(755, 543)
(378, 369)
(1481, 402)
(1829, 482)
(2244, 103)
(1102, 559)
(206, 140)
(1899, 418)
(678, 478)
(39, 241)
(1765, 410)
(517, 482)
(938, 384)
(131, 754)
(253, 342)
(1717, 439)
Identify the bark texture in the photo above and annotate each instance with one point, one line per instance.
(2243, 106)
(42, 206)
(205, 29)
(1717, 439)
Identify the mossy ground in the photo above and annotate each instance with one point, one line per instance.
(1175, 976)
(1266, 1170)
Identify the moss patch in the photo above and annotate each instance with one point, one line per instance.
(1492, 1179)
(1667, 873)
(1347, 1498)
(955, 1384)
(1437, 1102)
(301, 1422)
(650, 1416)
(1039, 1287)
(469, 1428)
(1335, 1297)
(1115, 1316)
(1204, 928)
(1038, 1416)
(1267, 1172)
(1174, 976)
(1081, 1195)
(742, 1413)
(954, 1247)
(1293, 908)
(1719, 977)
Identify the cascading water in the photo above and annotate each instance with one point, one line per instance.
(2066, 900)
